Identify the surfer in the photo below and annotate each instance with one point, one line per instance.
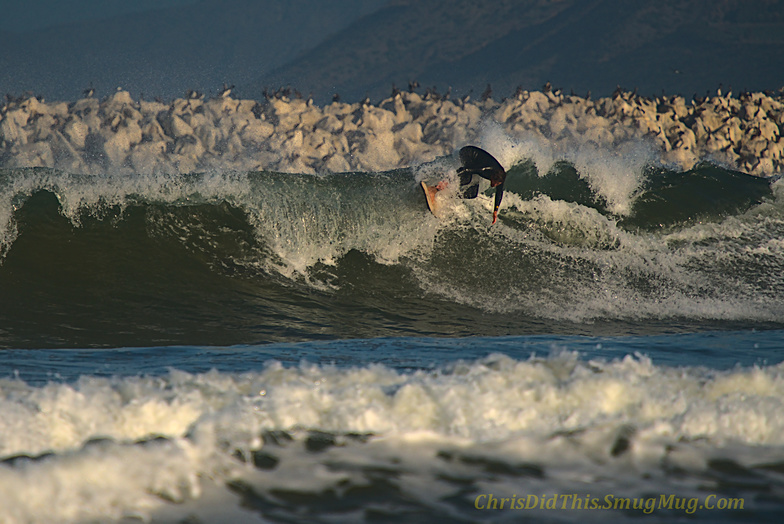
(476, 164)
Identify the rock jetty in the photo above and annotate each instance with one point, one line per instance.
(287, 134)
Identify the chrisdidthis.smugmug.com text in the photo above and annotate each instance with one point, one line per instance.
(646, 505)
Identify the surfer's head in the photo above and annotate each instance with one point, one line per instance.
(497, 178)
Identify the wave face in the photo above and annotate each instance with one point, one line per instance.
(587, 242)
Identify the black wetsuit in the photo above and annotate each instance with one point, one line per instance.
(478, 162)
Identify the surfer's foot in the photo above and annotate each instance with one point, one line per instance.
(442, 185)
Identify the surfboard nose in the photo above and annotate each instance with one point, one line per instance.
(430, 197)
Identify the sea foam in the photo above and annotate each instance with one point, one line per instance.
(108, 448)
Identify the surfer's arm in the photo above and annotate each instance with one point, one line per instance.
(499, 195)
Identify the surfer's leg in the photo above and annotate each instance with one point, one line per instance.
(466, 177)
(468, 184)
(471, 191)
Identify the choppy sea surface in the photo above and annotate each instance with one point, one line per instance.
(282, 347)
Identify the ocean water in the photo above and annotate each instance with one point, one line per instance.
(283, 347)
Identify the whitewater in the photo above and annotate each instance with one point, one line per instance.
(253, 345)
